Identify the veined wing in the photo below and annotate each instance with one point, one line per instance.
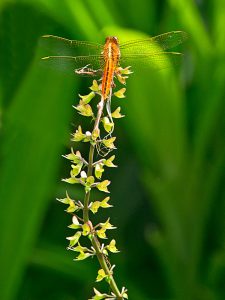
(151, 45)
(155, 61)
(70, 63)
(56, 45)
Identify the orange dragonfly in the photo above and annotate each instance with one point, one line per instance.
(89, 58)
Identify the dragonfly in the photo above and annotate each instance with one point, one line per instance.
(88, 58)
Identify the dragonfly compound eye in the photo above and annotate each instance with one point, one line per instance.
(115, 39)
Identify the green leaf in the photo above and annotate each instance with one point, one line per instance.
(36, 116)
(109, 142)
(120, 93)
(116, 114)
(101, 275)
(102, 186)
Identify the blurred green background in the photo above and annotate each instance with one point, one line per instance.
(168, 192)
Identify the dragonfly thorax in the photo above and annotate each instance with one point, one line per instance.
(111, 49)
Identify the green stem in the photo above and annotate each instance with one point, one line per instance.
(103, 263)
(89, 173)
(94, 240)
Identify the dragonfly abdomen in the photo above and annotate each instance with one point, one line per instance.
(111, 57)
(107, 78)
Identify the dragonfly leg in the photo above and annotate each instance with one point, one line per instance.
(113, 85)
(88, 71)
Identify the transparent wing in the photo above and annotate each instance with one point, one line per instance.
(155, 61)
(56, 45)
(158, 43)
(69, 63)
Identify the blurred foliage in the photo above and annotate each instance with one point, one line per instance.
(168, 192)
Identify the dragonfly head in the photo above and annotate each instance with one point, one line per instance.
(112, 39)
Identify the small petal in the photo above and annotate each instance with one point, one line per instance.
(107, 225)
(74, 239)
(120, 93)
(95, 206)
(116, 114)
(83, 174)
(104, 203)
(109, 162)
(112, 247)
(108, 126)
(71, 180)
(78, 135)
(98, 171)
(102, 186)
(101, 275)
(83, 256)
(109, 143)
(101, 233)
(95, 133)
(84, 109)
(95, 86)
(86, 229)
(87, 98)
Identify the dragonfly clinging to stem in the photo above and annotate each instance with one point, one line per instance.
(90, 58)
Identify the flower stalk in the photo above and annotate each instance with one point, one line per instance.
(88, 173)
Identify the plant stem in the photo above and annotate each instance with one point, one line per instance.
(89, 173)
(94, 240)
(103, 263)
